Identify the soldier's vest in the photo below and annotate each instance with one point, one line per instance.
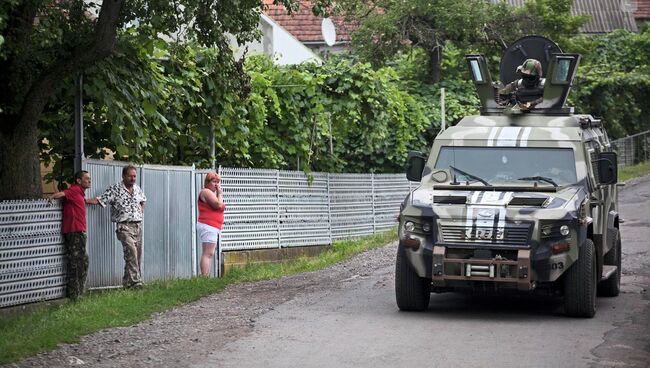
(525, 94)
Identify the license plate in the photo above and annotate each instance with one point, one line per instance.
(484, 234)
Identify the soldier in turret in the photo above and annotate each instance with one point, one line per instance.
(527, 91)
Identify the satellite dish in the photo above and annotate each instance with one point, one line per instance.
(329, 31)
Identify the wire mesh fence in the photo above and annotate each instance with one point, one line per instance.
(633, 149)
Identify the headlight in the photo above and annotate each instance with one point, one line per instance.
(555, 229)
(426, 227)
(409, 226)
(564, 230)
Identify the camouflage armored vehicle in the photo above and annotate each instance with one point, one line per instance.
(516, 198)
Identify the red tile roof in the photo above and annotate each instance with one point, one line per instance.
(642, 9)
(303, 24)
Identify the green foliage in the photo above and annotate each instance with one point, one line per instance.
(45, 327)
(391, 27)
(550, 18)
(614, 80)
(635, 171)
(157, 102)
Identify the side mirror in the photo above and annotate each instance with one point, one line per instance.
(414, 166)
(607, 168)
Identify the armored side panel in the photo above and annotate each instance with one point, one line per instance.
(482, 81)
(561, 71)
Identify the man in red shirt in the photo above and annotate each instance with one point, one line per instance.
(74, 231)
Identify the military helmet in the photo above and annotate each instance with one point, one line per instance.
(531, 67)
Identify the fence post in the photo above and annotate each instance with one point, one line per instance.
(218, 263)
(167, 220)
(372, 201)
(144, 243)
(193, 218)
(329, 209)
(277, 197)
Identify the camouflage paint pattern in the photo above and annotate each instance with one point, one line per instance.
(130, 234)
(77, 266)
(507, 219)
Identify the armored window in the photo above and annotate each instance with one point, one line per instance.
(476, 71)
(506, 165)
(562, 69)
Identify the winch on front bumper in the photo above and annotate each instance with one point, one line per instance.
(452, 267)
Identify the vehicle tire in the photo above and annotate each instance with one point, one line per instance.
(411, 291)
(580, 283)
(612, 286)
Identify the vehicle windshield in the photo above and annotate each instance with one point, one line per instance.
(510, 165)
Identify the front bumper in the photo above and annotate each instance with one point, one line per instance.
(446, 269)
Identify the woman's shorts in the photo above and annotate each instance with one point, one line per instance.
(208, 234)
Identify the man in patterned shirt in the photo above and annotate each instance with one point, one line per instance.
(127, 210)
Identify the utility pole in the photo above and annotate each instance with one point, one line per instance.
(443, 122)
(78, 123)
(213, 151)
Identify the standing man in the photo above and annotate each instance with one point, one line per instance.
(127, 210)
(74, 231)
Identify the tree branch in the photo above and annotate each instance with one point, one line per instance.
(81, 57)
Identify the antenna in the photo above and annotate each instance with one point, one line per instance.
(328, 30)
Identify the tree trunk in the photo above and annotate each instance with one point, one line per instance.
(435, 60)
(20, 172)
(20, 176)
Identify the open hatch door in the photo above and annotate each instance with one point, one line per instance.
(559, 78)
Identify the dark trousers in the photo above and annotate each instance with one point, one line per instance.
(77, 266)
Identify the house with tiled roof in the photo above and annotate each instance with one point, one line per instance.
(605, 15)
(277, 43)
(307, 28)
(642, 12)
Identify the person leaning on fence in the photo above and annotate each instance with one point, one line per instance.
(73, 228)
(127, 202)
(211, 216)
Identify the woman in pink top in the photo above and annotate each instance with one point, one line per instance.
(211, 209)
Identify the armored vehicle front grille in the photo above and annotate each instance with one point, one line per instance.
(511, 236)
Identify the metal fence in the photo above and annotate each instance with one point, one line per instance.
(32, 255)
(633, 149)
(264, 209)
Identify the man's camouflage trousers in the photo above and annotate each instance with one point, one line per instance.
(77, 267)
(130, 234)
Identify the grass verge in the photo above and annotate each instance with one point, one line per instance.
(637, 170)
(43, 327)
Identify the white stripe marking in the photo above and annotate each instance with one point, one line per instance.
(508, 137)
(470, 210)
(493, 133)
(502, 212)
(524, 137)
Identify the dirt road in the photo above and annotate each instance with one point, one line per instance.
(345, 316)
